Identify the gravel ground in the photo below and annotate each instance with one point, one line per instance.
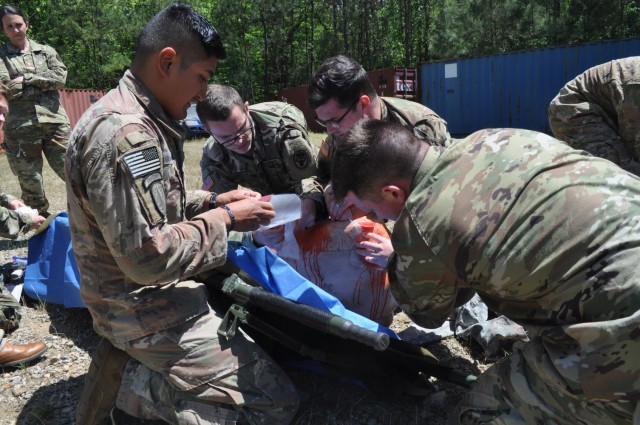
(47, 391)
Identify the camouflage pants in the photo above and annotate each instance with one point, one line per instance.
(9, 316)
(25, 146)
(519, 391)
(9, 310)
(189, 375)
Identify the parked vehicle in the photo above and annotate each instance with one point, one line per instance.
(193, 124)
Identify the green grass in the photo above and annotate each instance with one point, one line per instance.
(317, 138)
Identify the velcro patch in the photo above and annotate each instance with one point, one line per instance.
(301, 158)
(208, 183)
(151, 179)
(159, 197)
(143, 162)
(293, 134)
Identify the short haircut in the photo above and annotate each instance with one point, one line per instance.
(11, 10)
(218, 103)
(181, 27)
(372, 154)
(340, 78)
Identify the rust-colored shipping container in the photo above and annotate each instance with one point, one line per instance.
(395, 82)
(389, 82)
(76, 101)
(297, 96)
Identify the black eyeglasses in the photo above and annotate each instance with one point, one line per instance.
(238, 135)
(335, 123)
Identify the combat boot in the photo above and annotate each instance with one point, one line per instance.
(101, 385)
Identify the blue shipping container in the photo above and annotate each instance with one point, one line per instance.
(512, 89)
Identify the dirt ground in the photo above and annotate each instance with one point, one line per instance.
(47, 391)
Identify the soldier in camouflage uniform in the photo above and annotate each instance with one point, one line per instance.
(263, 147)
(547, 235)
(599, 111)
(12, 224)
(275, 157)
(139, 238)
(38, 123)
(341, 94)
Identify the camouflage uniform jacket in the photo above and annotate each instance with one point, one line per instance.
(12, 224)
(282, 158)
(128, 212)
(44, 74)
(599, 111)
(424, 123)
(546, 235)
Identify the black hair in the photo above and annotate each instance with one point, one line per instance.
(340, 78)
(11, 10)
(183, 28)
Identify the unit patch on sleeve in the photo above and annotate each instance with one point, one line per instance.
(301, 158)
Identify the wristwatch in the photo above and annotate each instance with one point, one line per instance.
(212, 200)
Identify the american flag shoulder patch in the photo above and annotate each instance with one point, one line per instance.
(325, 148)
(208, 183)
(143, 162)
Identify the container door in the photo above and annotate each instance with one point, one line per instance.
(452, 111)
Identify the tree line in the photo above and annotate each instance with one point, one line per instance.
(274, 44)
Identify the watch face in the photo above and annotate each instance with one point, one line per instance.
(212, 201)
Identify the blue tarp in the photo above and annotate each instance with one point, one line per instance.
(52, 274)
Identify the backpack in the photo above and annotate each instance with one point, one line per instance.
(278, 121)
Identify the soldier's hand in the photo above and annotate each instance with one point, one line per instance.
(235, 195)
(36, 221)
(250, 213)
(375, 250)
(336, 210)
(15, 204)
